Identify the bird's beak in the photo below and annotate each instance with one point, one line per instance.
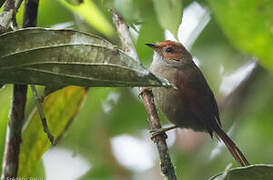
(151, 45)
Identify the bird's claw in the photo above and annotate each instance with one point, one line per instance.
(161, 131)
(155, 132)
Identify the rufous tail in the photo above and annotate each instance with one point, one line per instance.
(234, 150)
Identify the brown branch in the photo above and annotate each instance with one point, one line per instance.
(13, 141)
(147, 98)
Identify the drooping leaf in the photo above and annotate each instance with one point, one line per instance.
(169, 14)
(253, 172)
(60, 108)
(248, 24)
(66, 57)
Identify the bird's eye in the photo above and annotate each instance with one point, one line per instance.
(169, 50)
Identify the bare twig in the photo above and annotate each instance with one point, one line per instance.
(41, 113)
(12, 147)
(13, 141)
(14, 22)
(147, 98)
(30, 13)
(6, 15)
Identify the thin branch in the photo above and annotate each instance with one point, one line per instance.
(41, 113)
(6, 15)
(13, 141)
(30, 13)
(147, 98)
(14, 21)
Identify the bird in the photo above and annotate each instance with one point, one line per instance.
(191, 104)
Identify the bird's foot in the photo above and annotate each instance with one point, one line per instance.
(161, 131)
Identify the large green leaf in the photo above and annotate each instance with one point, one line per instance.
(248, 24)
(60, 108)
(169, 14)
(253, 172)
(66, 57)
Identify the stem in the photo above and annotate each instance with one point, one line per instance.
(147, 98)
(14, 22)
(6, 15)
(13, 140)
(30, 13)
(160, 139)
(38, 101)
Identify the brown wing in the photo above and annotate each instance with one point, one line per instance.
(198, 96)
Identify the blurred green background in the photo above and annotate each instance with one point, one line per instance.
(103, 133)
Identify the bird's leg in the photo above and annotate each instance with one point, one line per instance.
(156, 132)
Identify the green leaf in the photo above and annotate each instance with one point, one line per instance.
(169, 14)
(248, 24)
(92, 15)
(66, 57)
(60, 108)
(39, 170)
(253, 172)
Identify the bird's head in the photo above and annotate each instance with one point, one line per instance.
(170, 50)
